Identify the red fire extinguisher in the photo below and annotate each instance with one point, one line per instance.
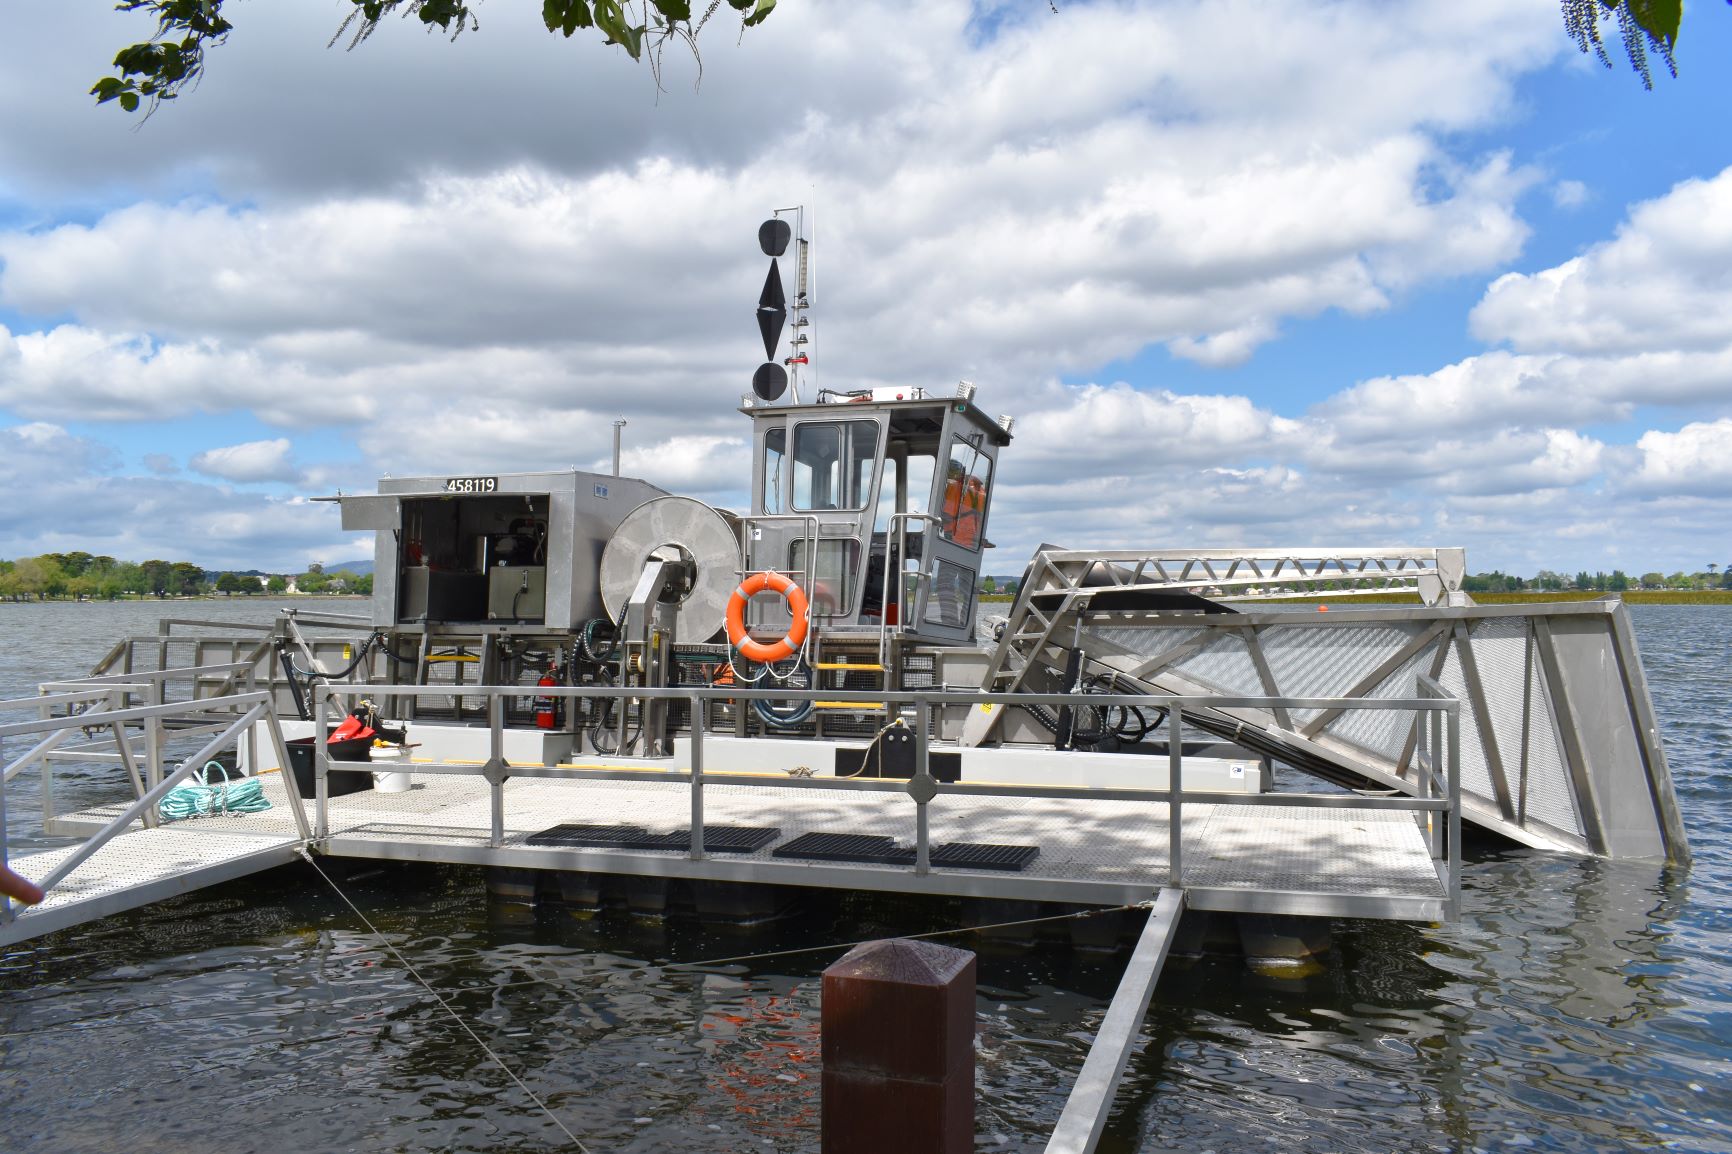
(545, 713)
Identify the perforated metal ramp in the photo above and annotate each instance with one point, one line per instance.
(140, 867)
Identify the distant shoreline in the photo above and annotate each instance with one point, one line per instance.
(1631, 597)
(219, 598)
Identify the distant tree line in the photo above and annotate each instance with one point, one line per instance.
(87, 576)
(1617, 581)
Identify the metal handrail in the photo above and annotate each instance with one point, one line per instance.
(809, 539)
(254, 706)
(901, 560)
(1429, 795)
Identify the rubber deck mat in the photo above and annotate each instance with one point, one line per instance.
(724, 838)
(971, 855)
(860, 847)
(717, 838)
(878, 850)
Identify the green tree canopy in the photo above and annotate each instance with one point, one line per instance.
(162, 67)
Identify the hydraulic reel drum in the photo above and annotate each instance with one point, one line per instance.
(676, 529)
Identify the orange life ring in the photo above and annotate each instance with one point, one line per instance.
(759, 651)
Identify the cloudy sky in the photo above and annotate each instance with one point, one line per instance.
(1271, 272)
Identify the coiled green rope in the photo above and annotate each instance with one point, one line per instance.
(244, 796)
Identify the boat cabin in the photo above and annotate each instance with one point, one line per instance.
(876, 501)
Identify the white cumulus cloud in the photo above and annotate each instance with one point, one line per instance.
(252, 461)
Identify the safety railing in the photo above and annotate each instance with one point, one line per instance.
(106, 703)
(907, 604)
(1434, 797)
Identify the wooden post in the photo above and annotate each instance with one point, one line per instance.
(898, 1045)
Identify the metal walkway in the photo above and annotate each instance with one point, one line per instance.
(1265, 858)
(1302, 854)
(138, 868)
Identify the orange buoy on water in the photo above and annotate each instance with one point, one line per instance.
(761, 651)
(1323, 609)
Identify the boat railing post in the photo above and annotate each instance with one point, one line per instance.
(297, 806)
(46, 769)
(1175, 795)
(921, 787)
(1452, 767)
(698, 723)
(321, 764)
(250, 682)
(153, 734)
(1434, 768)
(117, 700)
(496, 764)
(5, 860)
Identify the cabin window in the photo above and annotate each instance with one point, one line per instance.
(833, 463)
(951, 602)
(967, 487)
(775, 449)
(832, 591)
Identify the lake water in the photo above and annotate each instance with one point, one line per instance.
(1578, 1005)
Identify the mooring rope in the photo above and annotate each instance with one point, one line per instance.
(445, 1004)
(1074, 916)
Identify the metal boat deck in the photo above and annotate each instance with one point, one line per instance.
(1266, 858)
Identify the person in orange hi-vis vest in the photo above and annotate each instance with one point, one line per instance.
(964, 506)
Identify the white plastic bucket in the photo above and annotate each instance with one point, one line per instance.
(394, 781)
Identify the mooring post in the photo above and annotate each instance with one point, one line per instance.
(898, 1046)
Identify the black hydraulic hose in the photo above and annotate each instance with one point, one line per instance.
(586, 640)
(1130, 727)
(367, 647)
(295, 692)
(391, 656)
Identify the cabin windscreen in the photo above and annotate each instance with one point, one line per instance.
(833, 464)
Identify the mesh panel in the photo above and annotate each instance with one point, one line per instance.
(1224, 666)
(1475, 781)
(1385, 731)
(1500, 651)
(1312, 661)
(1147, 641)
(1550, 797)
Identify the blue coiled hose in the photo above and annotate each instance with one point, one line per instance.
(244, 796)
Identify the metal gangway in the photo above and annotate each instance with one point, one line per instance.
(1560, 747)
(133, 722)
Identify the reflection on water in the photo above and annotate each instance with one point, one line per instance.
(1578, 1005)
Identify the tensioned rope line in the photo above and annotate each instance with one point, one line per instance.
(1073, 916)
(444, 1004)
(1076, 915)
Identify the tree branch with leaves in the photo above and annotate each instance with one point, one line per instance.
(173, 59)
(1647, 27)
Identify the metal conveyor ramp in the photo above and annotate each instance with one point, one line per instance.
(1559, 746)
